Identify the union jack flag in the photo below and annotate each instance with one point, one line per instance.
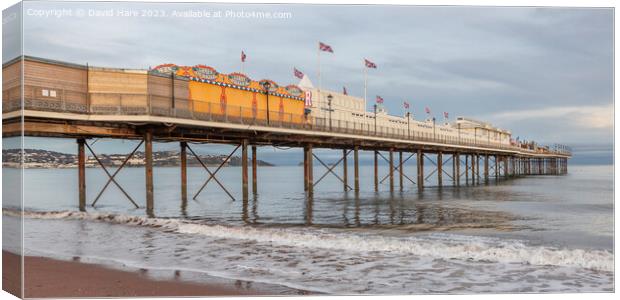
(379, 99)
(406, 104)
(427, 110)
(370, 64)
(445, 114)
(243, 56)
(344, 90)
(298, 73)
(325, 47)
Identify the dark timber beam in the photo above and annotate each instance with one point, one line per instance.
(345, 174)
(81, 174)
(254, 171)
(148, 166)
(244, 168)
(356, 168)
(420, 162)
(184, 171)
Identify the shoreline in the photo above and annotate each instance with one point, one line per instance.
(48, 277)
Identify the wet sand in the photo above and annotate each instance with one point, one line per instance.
(47, 277)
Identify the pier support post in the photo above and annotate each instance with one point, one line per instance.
(356, 168)
(420, 162)
(254, 172)
(305, 168)
(81, 175)
(391, 169)
(148, 166)
(376, 170)
(440, 169)
(457, 169)
(183, 171)
(506, 172)
(478, 168)
(244, 168)
(466, 169)
(486, 168)
(496, 168)
(344, 169)
(473, 168)
(310, 170)
(400, 168)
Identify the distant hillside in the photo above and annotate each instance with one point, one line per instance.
(36, 158)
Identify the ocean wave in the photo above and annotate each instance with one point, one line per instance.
(444, 246)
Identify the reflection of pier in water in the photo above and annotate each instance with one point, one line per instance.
(426, 212)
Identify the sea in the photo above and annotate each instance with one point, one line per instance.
(525, 235)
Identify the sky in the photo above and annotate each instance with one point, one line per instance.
(546, 74)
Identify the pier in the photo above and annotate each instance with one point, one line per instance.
(84, 110)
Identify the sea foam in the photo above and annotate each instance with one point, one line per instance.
(444, 246)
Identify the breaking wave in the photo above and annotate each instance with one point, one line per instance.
(440, 246)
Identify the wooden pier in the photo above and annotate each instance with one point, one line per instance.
(454, 162)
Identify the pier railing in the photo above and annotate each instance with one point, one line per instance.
(144, 104)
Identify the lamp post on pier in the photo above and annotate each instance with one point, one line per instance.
(329, 105)
(267, 86)
(375, 108)
(408, 131)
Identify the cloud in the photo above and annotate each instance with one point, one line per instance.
(587, 117)
(514, 66)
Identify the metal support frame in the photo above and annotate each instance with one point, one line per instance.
(376, 171)
(457, 168)
(331, 170)
(397, 168)
(112, 176)
(439, 168)
(212, 174)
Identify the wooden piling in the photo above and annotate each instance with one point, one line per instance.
(466, 169)
(477, 168)
(420, 162)
(391, 169)
(400, 169)
(254, 172)
(244, 168)
(439, 169)
(344, 169)
(457, 175)
(310, 170)
(486, 167)
(356, 168)
(376, 171)
(183, 171)
(148, 166)
(81, 175)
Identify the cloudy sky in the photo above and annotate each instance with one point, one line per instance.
(544, 73)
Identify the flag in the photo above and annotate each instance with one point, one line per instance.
(325, 47)
(243, 56)
(344, 90)
(379, 99)
(298, 73)
(406, 104)
(445, 114)
(370, 64)
(427, 110)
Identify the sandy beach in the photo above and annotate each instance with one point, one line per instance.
(55, 278)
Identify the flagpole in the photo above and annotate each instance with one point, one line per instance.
(365, 89)
(318, 55)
